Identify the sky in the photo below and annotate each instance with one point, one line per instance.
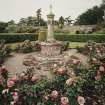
(16, 9)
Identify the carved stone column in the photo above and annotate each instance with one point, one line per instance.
(50, 35)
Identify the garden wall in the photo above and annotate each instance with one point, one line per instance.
(17, 37)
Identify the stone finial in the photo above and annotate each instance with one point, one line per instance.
(50, 8)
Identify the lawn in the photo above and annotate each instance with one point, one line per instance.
(71, 45)
(13, 45)
(76, 44)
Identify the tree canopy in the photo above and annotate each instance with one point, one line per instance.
(91, 16)
(29, 24)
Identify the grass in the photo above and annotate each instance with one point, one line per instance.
(13, 45)
(71, 45)
(76, 44)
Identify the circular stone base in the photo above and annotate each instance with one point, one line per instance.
(50, 48)
(45, 65)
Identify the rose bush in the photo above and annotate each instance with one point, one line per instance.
(4, 51)
(28, 46)
(72, 84)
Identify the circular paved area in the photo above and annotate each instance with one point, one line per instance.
(15, 63)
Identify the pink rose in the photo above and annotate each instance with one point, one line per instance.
(101, 68)
(60, 62)
(94, 60)
(0, 68)
(90, 48)
(3, 67)
(15, 96)
(15, 78)
(22, 75)
(64, 101)
(34, 78)
(81, 100)
(98, 51)
(12, 103)
(69, 82)
(10, 83)
(75, 61)
(98, 72)
(26, 77)
(99, 55)
(103, 65)
(1, 79)
(62, 70)
(54, 94)
(98, 77)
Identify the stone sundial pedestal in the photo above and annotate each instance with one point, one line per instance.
(50, 51)
(50, 47)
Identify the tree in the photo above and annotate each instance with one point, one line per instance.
(3, 26)
(91, 16)
(11, 22)
(61, 22)
(38, 13)
(30, 21)
(12, 27)
(29, 24)
(68, 20)
(22, 22)
(56, 23)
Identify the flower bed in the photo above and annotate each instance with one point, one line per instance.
(82, 87)
(72, 84)
(28, 46)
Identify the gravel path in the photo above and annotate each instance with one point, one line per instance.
(15, 63)
(82, 57)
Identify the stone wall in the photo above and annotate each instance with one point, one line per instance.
(84, 28)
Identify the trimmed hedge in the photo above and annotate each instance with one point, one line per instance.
(42, 36)
(80, 38)
(18, 37)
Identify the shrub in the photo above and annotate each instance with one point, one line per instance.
(42, 36)
(18, 37)
(80, 38)
(29, 89)
(65, 46)
(28, 46)
(77, 32)
(101, 31)
(80, 49)
(86, 48)
(72, 84)
(62, 31)
(4, 51)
